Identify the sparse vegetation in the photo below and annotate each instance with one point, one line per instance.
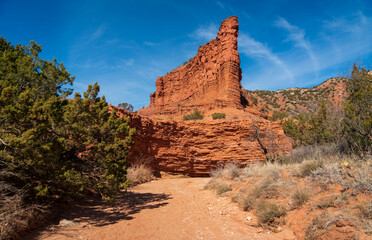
(299, 198)
(196, 115)
(126, 106)
(219, 185)
(272, 190)
(278, 115)
(139, 173)
(218, 115)
(270, 213)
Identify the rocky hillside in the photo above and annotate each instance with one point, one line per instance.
(293, 101)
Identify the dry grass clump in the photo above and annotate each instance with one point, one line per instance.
(305, 153)
(267, 188)
(366, 211)
(327, 174)
(299, 198)
(362, 179)
(229, 171)
(273, 170)
(17, 216)
(324, 221)
(219, 185)
(247, 202)
(270, 214)
(139, 173)
(327, 202)
(306, 168)
(366, 216)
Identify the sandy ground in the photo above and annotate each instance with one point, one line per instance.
(163, 209)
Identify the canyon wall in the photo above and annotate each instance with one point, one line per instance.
(209, 80)
(196, 147)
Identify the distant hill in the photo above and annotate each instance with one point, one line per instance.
(298, 100)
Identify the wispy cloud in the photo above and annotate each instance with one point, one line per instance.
(149, 44)
(253, 48)
(297, 35)
(351, 24)
(98, 32)
(233, 11)
(205, 33)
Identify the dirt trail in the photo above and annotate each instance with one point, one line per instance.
(163, 209)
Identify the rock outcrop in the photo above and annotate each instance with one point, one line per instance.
(196, 147)
(209, 80)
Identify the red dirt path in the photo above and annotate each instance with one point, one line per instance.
(164, 209)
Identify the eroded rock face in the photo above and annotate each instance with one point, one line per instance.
(196, 147)
(209, 80)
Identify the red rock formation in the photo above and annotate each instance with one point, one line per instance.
(209, 80)
(195, 147)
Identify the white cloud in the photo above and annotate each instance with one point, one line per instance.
(297, 35)
(98, 32)
(253, 48)
(205, 33)
(149, 44)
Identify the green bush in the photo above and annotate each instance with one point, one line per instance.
(357, 121)
(278, 115)
(218, 116)
(310, 129)
(57, 148)
(196, 115)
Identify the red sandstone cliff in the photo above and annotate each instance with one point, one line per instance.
(209, 80)
(196, 147)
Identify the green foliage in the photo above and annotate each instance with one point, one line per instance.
(278, 115)
(357, 122)
(310, 129)
(58, 147)
(196, 115)
(254, 100)
(126, 106)
(218, 115)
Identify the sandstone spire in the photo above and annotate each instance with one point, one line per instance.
(209, 80)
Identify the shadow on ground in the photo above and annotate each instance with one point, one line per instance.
(99, 213)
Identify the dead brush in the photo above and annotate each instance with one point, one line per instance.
(327, 202)
(366, 210)
(219, 185)
(270, 214)
(139, 173)
(362, 179)
(247, 202)
(17, 216)
(321, 224)
(272, 170)
(268, 188)
(299, 198)
(307, 167)
(230, 171)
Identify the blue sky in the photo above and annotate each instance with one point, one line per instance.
(125, 45)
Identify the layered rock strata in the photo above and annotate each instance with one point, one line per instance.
(196, 147)
(209, 80)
